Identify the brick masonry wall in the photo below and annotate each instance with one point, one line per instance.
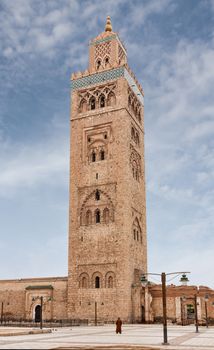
(174, 303)
(103, 248)
(20, 303)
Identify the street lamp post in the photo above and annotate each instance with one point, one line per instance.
(95, 313)
(163, 281)
(43, 300)
(163, 275)
(206, 298)
(196, 314)
(183, 299)
(2, 308)
(41, 306)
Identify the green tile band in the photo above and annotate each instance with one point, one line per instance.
(103, 40)
(97, 78)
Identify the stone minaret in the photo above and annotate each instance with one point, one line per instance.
(107, 218)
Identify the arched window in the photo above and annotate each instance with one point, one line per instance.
(134, 234)
(97, 216)
(97, 195)
(88, 217)
(102, 154)
(133, 134)
(106, 215)
(97, 282)
(110, 282)
(139, 115)
(93, 157)
(137, 236)
(106, 61)
(98, 65)
(111, 101)
(84, 282)
(137, 139)
(133, 106)
(92, 103)
(83, 106)
(102, 101)
(110, 279)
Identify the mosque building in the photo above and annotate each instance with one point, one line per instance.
(107, 240)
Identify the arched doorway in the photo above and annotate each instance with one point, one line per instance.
(38, 313)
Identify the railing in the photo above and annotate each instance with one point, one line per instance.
(19, 322)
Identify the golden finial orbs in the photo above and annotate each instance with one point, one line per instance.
(108, 27)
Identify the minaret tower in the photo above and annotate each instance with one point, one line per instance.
(107, 217)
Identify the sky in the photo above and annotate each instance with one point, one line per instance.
(170, 47)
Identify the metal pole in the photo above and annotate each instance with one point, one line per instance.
(41, 312)
(95, 313)
(206, 313)
(163, 280)
(2, 308)
(182, 315)
(196, 315)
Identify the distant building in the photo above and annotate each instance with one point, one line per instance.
(107, 216)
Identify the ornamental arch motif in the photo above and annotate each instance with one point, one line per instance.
(135, 163)
(98, 63)
(84, 280)
(97, 97)
(97, 211)
(111, 99)
(88, 217)
(97, 280)
(83, 106)
(102, 100)
(106, 215)
(110, 280)
(92, 103)
(97, 150)
(107, 61)
(135, 135)
(136, 230)
(134, 105)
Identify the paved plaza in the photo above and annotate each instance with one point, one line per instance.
(100, 337)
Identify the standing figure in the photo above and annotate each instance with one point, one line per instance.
(118, 326)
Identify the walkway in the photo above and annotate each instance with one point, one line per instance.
(104, 337)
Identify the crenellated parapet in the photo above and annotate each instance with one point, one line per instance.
(85, 79)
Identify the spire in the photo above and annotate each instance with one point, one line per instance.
(108, 27)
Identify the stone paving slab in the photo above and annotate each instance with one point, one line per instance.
(8, 332)
(133, 337)
(107, 347)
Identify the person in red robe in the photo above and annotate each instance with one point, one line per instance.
(118, 326)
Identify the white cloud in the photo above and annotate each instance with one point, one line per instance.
(202, 129)
(140, 13)
(29, 166)
(8, 52)
(178, 81)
